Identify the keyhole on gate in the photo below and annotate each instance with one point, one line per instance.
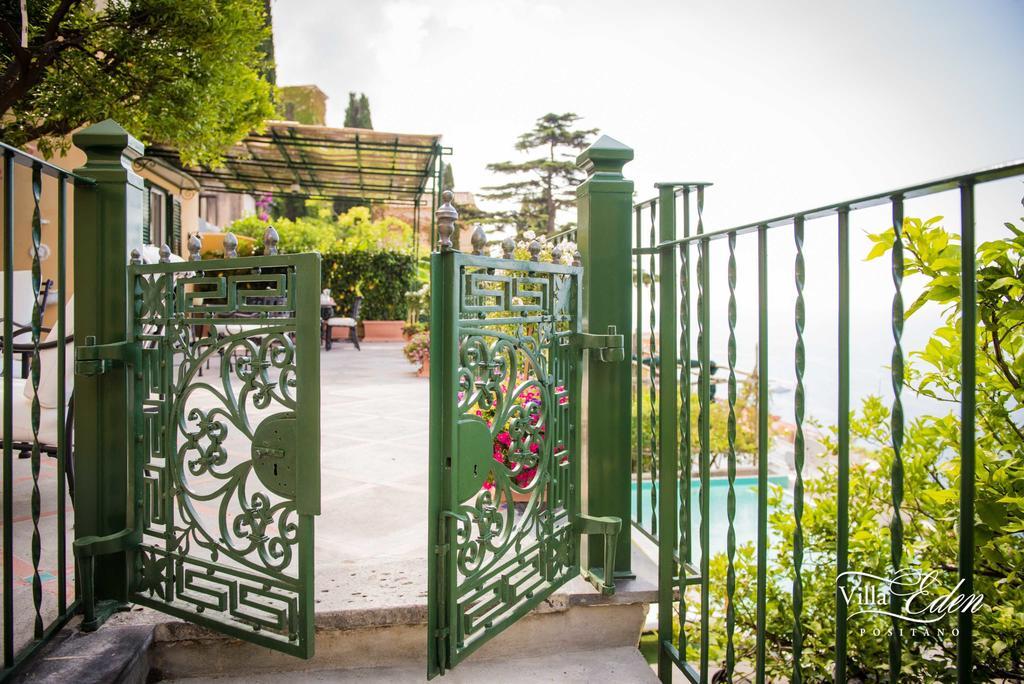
(474, 470)
(275, 469)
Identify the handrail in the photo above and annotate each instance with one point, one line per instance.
(25, 159)
(992, 173)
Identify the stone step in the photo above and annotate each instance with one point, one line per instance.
(113, 655)
(575, 619)
(620, 665)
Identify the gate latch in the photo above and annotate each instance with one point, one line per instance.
(96, 359)
(609, 346)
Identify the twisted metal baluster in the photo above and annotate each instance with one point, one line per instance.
(639, 403)
(653, 376)
(730, 580)
(37, 322)
(896, 524)
(798, 453)
(704, 395)
(684, 419)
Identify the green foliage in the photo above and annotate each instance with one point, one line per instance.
(545, 184)
(360, 256)
(357, 114)
(746, 425)
(382, 277)
(321, 231)
(931, 492)
(188, 73)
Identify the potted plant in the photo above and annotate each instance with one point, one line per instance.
(417, 350)
(410, 330)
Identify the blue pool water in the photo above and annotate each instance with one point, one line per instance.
(745, 522)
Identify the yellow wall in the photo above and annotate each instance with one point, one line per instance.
(23, 209)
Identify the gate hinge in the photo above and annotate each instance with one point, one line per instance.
(610, 347)
(608, 526)
(96, 359)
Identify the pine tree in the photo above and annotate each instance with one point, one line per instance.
(357, 114)
(545, 184)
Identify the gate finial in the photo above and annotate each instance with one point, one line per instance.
(479, 240)
(535, 250)
(270, 240)
(556, 253)
(446, 216)
(577, 258)
(136, 256)
(195, 245)
(165, 254)
(508, 246)
(230, 246)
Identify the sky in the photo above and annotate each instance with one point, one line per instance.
(782, 105)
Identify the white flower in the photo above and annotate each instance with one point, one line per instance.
(569, 246)
(529, 235)
(496, 251)
(543, 239)
(521, 244)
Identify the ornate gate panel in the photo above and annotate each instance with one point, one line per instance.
(227, 476)
(505, 522)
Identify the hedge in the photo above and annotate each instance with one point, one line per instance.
(381, 276)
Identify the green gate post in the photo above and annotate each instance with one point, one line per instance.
(605, 209)
(108, 224)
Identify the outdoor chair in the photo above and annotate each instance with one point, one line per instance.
(237, 323)
(330, 321)
(21, 315)
(21, 406)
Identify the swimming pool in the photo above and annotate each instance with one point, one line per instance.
(745, 521)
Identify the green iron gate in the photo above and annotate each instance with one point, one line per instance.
(505, 520)
(225, 479)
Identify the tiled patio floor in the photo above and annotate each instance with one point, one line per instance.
(374, 479)
(371, 536)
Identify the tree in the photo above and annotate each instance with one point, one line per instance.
(187, 73)
(357, 114)
(448, 178)
(544, 184)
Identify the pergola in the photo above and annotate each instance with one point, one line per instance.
(317, 162)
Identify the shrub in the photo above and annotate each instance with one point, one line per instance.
(360, 256)
(930, 508)
(324, 232)
(382, 277)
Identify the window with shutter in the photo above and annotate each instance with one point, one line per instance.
(176, 225)
(145, 214)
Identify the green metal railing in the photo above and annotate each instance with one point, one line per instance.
(45, 614)
(672, 270)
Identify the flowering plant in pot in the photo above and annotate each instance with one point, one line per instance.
(417, 350)
(515, 450)
(410, 330)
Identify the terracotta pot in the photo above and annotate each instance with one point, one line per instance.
(383, 331)
(424, 371)
(521, 497)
